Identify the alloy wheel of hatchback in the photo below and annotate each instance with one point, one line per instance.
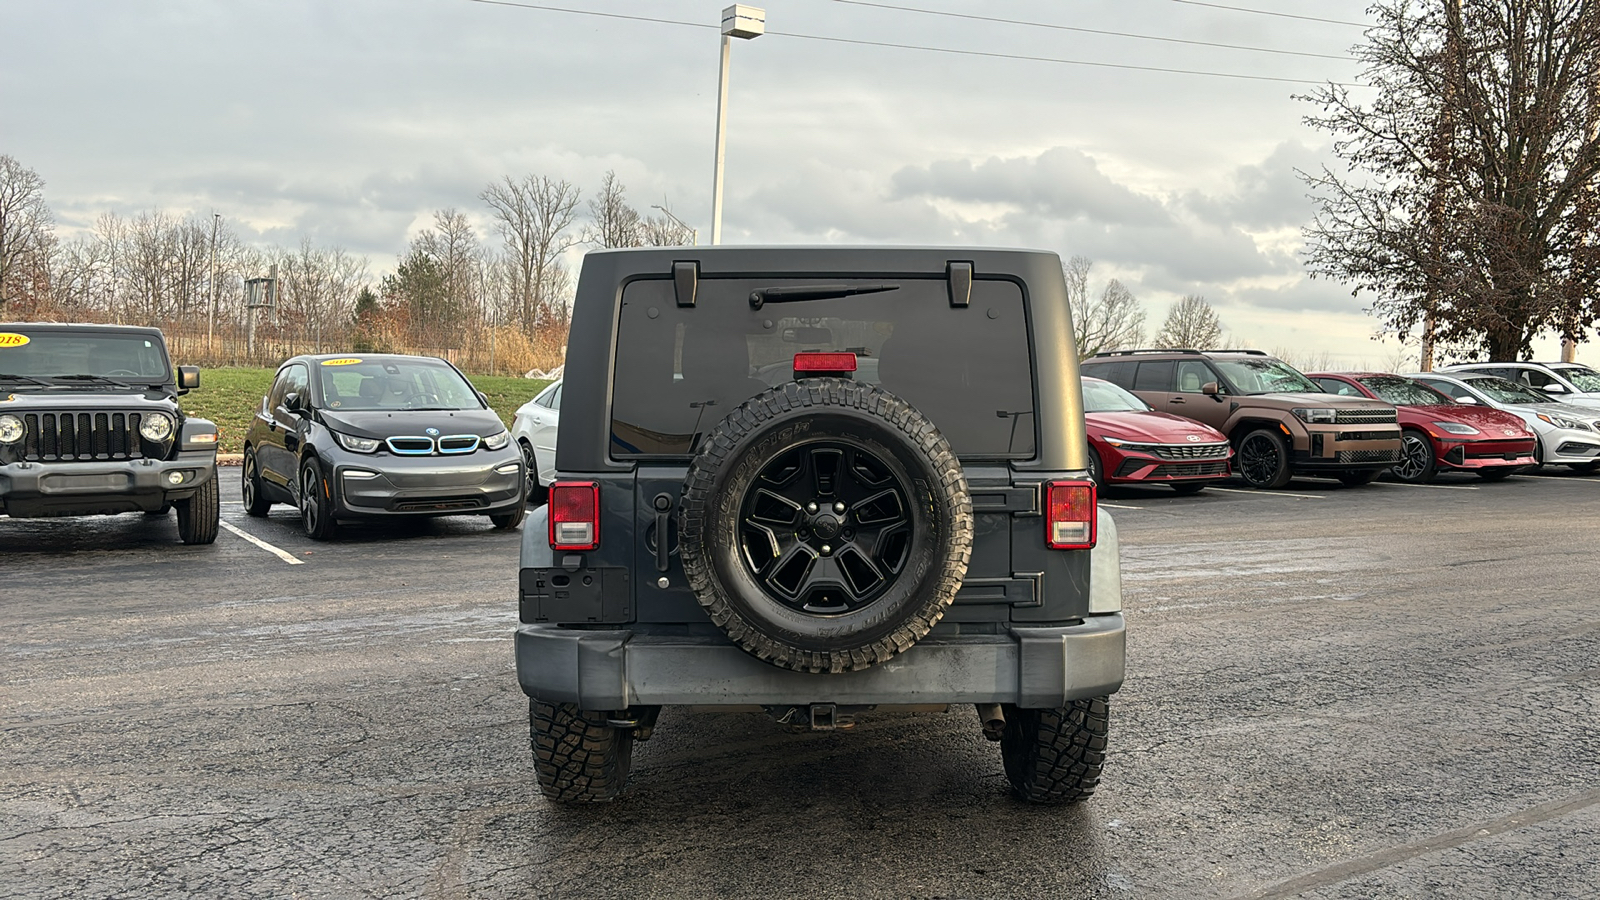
(314, 512)
(530, 462)
(255, 502)
(1417, 464)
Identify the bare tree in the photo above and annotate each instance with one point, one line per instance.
(27, 235)
(1305, 360)
(1112, 321)
(613, 222)
(318, 287)
(1191, 323)
(535, 217)
(666, 230)
(1467, 199)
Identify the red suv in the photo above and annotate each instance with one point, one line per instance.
(1439, 433)
(1129, 443)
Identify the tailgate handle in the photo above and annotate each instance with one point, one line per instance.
(663, 505)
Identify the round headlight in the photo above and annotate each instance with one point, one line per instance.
(10, 429)
(156, 427)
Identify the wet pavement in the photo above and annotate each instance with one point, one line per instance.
(1386, 691)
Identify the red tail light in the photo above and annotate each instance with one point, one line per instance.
(574, 515)
(1070, 515)
(819, 363)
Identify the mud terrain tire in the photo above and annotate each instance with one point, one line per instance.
(1055, 755)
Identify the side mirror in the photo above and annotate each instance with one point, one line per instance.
(1470, 401)
(1554, 388)
(1211, 389)
(484, 397)
(293, 402)
(188, 378)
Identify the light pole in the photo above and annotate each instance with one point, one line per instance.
(211, 324)
(694, 233)
(738, 21)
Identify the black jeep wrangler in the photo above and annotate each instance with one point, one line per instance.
(90, 425)
(820, 482)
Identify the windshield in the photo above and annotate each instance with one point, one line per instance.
(1405, 392)
(1103, 396)
(1504, 391)
(1582, 378)
(1264, 375)
(79, 356)
(355, 384)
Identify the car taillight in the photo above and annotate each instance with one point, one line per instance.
(1070, 515)
(574, 515)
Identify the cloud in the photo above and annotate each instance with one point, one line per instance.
(1060, 182)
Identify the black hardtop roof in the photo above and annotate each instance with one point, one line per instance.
(800, 259)
(70, 327)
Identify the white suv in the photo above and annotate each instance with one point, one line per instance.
(1563, 381)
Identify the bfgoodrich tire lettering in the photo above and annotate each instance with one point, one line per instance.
(897, 447)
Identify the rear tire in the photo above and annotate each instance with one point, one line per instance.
(1500, 474)
(1359, 477)
(1588, 468)
(198, 516)
(578, 759)
(1056, 755)
(1263, 460)
(1185, 488)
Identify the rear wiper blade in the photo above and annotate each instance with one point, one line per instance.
(801, 293)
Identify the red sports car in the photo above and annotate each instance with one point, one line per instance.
(1129, 443)
(1439, 433)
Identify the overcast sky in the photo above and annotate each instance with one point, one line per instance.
(351, 121)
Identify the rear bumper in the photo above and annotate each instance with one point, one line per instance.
(107, 487)
(615, 669)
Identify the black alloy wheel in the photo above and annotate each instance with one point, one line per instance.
(1417, 463)
(1097, 468)
(316, 501)
(537, 494)
(1264, 460)
(825, 528)
(256, 503)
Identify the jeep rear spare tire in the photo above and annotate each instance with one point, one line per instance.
(825, 525)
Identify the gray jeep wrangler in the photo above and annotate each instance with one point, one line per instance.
(90, 425)
(820, 482)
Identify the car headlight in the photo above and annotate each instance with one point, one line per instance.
(1316, 415)
(1115, 442)
(357, 444)
(10, 429)
(156, 427)
(1455, 428)
(1563, 422)
(497, 441)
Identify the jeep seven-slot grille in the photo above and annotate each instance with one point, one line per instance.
(1365, 416)
(67, 436)
(1367, 456)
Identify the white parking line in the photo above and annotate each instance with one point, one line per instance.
(1119, 506)
(1268, 493)
(284, 555)
(1437, 487)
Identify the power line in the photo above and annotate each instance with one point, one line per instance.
(947, 50)
(1264, 12)
(1121, 34)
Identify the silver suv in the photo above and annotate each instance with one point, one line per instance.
(1563, 381)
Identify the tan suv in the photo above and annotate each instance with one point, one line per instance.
(1280, 422)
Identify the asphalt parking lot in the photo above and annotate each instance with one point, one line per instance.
(1387, 691)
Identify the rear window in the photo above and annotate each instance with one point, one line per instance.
(680, 370)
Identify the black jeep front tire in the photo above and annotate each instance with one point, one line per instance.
(198, 516)
(578, 759)
(1055, 755)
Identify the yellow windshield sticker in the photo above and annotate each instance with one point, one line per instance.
(345, 361)
(11, 339)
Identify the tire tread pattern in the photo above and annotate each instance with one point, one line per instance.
(200, 515)
(821, 394)
(578, 760)
(1056, 755)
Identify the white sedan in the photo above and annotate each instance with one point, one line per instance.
(534, 430)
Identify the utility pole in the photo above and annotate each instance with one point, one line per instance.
(694, 233)
(738, 21)
(211, 325)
